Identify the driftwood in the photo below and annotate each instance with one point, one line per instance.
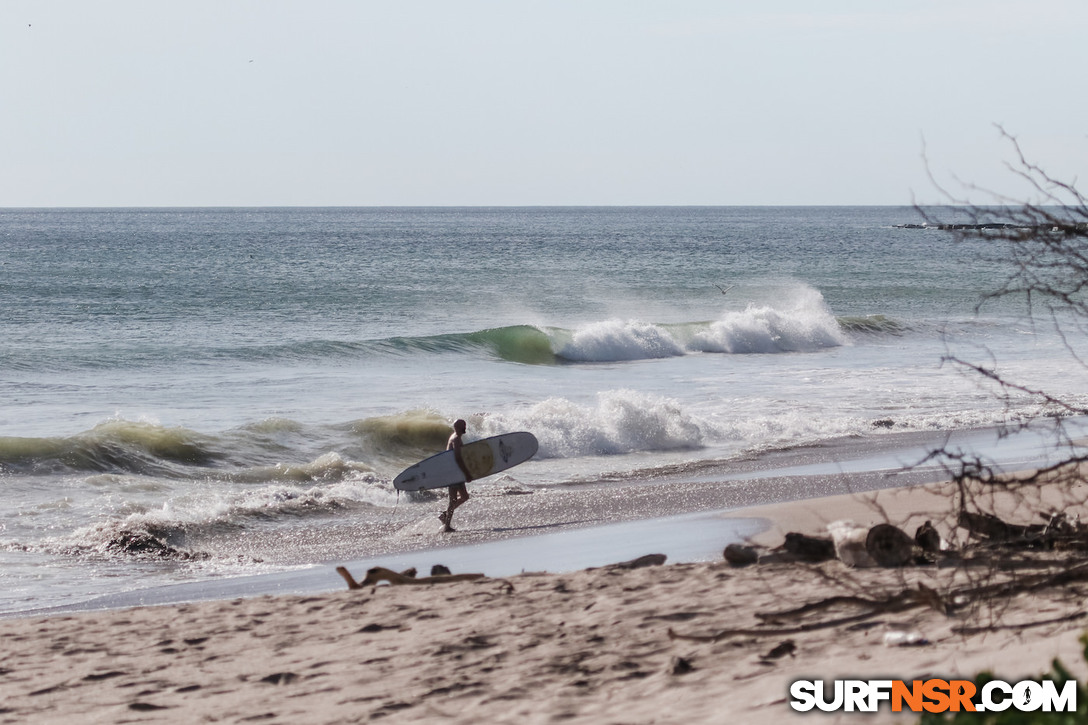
(850, 543)
(888, 546)
(379, 574)
(904, 600)
(927, 538)
(809, 548)
(881, 545)
(1020, 626)
(740, 555)
(642, 561)
(798, 548)
(1057, 533)
(639, 563)
(990, 527)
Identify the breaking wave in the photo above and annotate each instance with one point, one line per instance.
(404, 434)
(176, 530)
(619, 422)
(115, 445)
(802, 323)
(148, 449)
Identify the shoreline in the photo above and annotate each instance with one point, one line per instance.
(690, 514)
(684, 538)
(678, 643)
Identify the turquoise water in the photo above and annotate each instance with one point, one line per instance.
(185, 372)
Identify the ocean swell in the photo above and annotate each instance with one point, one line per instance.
(256, 453)
(526, 344)
(115, 445)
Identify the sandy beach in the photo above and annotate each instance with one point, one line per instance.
(678, 643)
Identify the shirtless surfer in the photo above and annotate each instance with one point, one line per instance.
(458, 491)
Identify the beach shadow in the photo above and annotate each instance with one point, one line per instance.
(539, 527)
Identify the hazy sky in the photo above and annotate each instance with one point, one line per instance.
(463, 102)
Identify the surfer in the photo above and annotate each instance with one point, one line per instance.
(458, 491)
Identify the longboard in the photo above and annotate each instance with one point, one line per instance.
(482, 458)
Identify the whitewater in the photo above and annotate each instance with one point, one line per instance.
(176, 381)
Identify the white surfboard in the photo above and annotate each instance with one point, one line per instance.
(482, 458)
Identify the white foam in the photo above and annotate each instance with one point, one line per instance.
(801, 323)
(276, 500)
(798, 322)
(327, 468)
(212, 507)
(619, 340)
(621, 421)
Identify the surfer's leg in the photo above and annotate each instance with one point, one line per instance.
(446, 515)
(458, 495)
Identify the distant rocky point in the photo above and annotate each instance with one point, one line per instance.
(1080, 228)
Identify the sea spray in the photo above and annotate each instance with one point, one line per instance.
(621, 421)
(619, 340)
(801, 323)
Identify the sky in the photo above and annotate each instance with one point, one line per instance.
(518, 102)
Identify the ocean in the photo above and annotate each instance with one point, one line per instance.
(174, 379)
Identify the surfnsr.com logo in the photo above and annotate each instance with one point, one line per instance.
(933, 696)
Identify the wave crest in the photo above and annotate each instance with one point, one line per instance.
(804, 324)
(801, 322)
(619, 340)
(621, 421)
(115, 445)
(326, 468)
(407, 433)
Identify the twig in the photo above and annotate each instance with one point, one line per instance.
(906, 599)
(380, 574)
(1019, 627)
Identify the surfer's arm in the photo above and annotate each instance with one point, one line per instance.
(455, 446)
(461, 465)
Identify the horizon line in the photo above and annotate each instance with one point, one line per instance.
(466, 206)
